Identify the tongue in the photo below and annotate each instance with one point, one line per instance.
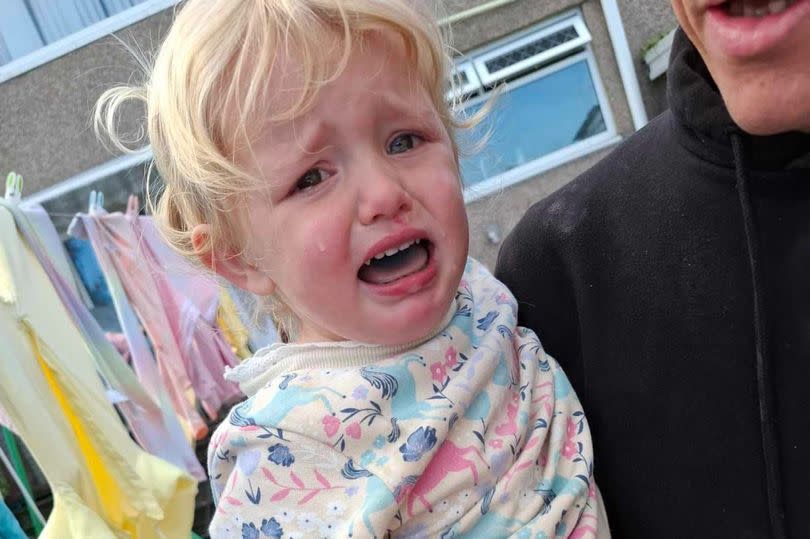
(391, 268)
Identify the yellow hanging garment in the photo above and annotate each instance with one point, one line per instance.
(103, 485)
(231, 325)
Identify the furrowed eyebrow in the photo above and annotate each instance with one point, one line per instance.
(314, 139)
(421, 114)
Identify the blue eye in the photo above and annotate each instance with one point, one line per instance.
(403, 143)
(310, 179)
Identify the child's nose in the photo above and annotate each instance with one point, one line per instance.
(382, 196)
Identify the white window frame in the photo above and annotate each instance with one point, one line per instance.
(575, 20)
(609, 137)
(473, 82)
(79, 39)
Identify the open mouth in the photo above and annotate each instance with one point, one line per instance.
(747, 28)
(755, 8)
(396, 263)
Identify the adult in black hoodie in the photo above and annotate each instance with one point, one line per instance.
(672, 282)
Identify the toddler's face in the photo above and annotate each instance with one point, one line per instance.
(366, 236)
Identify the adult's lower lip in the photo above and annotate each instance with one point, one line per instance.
(750, 36)
(410, 284)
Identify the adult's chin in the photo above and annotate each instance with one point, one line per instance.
(769, 110)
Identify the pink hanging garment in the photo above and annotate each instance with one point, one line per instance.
(191, 299)
(135, 299)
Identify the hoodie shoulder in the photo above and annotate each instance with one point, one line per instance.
(636, 165)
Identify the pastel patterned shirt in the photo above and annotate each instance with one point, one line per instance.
(472, 432)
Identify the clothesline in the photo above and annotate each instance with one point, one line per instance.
(56, 214)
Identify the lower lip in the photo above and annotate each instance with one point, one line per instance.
(750, 36)
(410, 284)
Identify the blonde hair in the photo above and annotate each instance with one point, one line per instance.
(217, 59)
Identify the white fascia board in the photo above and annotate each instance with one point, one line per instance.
(79, 39)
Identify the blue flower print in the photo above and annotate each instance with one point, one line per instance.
(484, 323)
(419, 442)
(271, 528)
(249, 531)
(280, 454)
(379, 441)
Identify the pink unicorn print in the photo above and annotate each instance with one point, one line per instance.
(449, 458)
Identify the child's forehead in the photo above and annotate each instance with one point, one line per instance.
(377, 76)
(368, 59)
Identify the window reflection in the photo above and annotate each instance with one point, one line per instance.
(532, 120)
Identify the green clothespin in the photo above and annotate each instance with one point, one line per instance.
(14, 187)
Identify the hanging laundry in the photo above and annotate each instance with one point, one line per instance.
(154, 372)
(16, 469)
(119, 340)
(5, 420)
(103, 485)
(149, 416)
(231, 326)
(86, 264)
(190, 355)
(49, 237)
(191, 300)
(260, 325)
(9, 527)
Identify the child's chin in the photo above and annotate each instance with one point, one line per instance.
(408, 331)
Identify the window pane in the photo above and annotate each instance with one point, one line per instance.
(534, 120)
(27, 25)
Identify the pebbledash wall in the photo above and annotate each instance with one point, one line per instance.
(572, 95)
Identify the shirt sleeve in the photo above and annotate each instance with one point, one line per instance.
(272, 483)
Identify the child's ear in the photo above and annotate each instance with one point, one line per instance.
(232, 267)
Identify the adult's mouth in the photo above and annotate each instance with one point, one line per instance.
(745, 28)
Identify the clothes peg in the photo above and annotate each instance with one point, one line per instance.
(14, 186)
(91, 204)
(133, 205)
(100, 201)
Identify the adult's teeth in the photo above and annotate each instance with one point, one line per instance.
(754, 8)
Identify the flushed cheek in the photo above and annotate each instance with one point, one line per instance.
(321, 254)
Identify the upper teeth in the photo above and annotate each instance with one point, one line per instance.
(753, 8)
(392, 251)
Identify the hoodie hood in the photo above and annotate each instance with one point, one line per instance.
(705, 124)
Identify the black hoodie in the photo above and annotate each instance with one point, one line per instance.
(672, 282)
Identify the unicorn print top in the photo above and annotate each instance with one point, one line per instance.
(473, 432)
